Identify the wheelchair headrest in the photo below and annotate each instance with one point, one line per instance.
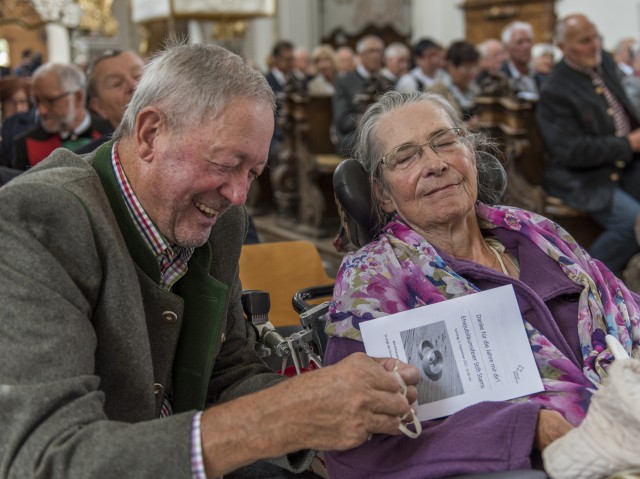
(353, 194)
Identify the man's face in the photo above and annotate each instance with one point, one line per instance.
(399, 64)
(346, 62)
(430, 61)
(285, 61)
(371, 55)
(59, 109)
(495, 57)
(582, 43)
(519, 48)
(115, 81)
(195, 174)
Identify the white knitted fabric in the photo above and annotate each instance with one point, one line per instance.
(608, 440)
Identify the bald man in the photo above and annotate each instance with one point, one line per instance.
(591, 132)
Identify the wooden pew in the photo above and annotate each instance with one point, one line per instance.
(512, 124)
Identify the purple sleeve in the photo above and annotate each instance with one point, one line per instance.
(486, 437)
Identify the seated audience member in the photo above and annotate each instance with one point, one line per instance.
(458, 86)
(280, 73)
(354, 91)
(326, 67)
(623, 56)
(491, 80)
(591, 132)
(438, 242)
(543, 57)
(302, 66)
(517, 38)
(14, 96)
(346, 60)
(631, 83)
(123, 346)
(58, 91)
(428, 57)
(396, 61)
(16, 114)
(112, 77)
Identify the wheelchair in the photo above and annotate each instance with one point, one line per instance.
(353, 197)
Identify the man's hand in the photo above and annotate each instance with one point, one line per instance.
(334, 408)
(634, 140)
(551, 426)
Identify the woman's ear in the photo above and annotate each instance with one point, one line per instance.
(382, 197)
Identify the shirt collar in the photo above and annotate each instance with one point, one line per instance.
(81, 128)
(279, 76)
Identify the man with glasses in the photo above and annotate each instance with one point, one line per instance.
(58, 93)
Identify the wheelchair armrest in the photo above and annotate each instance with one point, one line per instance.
(300, 299)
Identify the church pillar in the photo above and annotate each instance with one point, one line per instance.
(58, 43)
(441, 20)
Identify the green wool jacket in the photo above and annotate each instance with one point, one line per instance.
(89, 341)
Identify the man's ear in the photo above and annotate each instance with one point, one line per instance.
(382, 197)
(149, 124)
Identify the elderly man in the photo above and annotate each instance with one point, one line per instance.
(517, 38)
(354, 90)
(121, 322)
(591, 132)
(58, 91)
(113, 77)
(396, 61)
(346, 60)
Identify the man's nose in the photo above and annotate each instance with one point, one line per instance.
(236, 189)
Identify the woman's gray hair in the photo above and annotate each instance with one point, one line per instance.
(189, 82)
(370, 150)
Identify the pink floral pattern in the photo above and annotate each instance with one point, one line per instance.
(401, 270)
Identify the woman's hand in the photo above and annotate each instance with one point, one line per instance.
(551, 426)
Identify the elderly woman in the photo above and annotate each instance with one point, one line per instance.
(438, 242)
(326, 66)
(14, 96)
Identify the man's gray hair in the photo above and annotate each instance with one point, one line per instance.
(189, 82)
(484, 46)
(507, 32)
(370, 150)
(361, 43)
(70, 77)
(395, 50)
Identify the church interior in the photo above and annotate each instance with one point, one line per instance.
(528, 180)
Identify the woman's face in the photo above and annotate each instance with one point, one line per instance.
(436, 189)
(325, 66)
(18, 103)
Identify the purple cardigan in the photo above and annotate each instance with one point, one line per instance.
(489, 436)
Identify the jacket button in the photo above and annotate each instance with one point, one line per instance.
(169, 317)
(620, 164)
(158, 389)
(614, 176)
(610, 111)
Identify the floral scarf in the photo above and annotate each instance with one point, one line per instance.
(401, 270)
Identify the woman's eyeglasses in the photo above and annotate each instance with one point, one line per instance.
(442, 143)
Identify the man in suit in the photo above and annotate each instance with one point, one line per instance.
(350, 98)
(58, 91)
(112, 78)
(123, 347)
(517, 38)
(591, 132)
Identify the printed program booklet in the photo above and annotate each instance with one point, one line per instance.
(469, 349)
